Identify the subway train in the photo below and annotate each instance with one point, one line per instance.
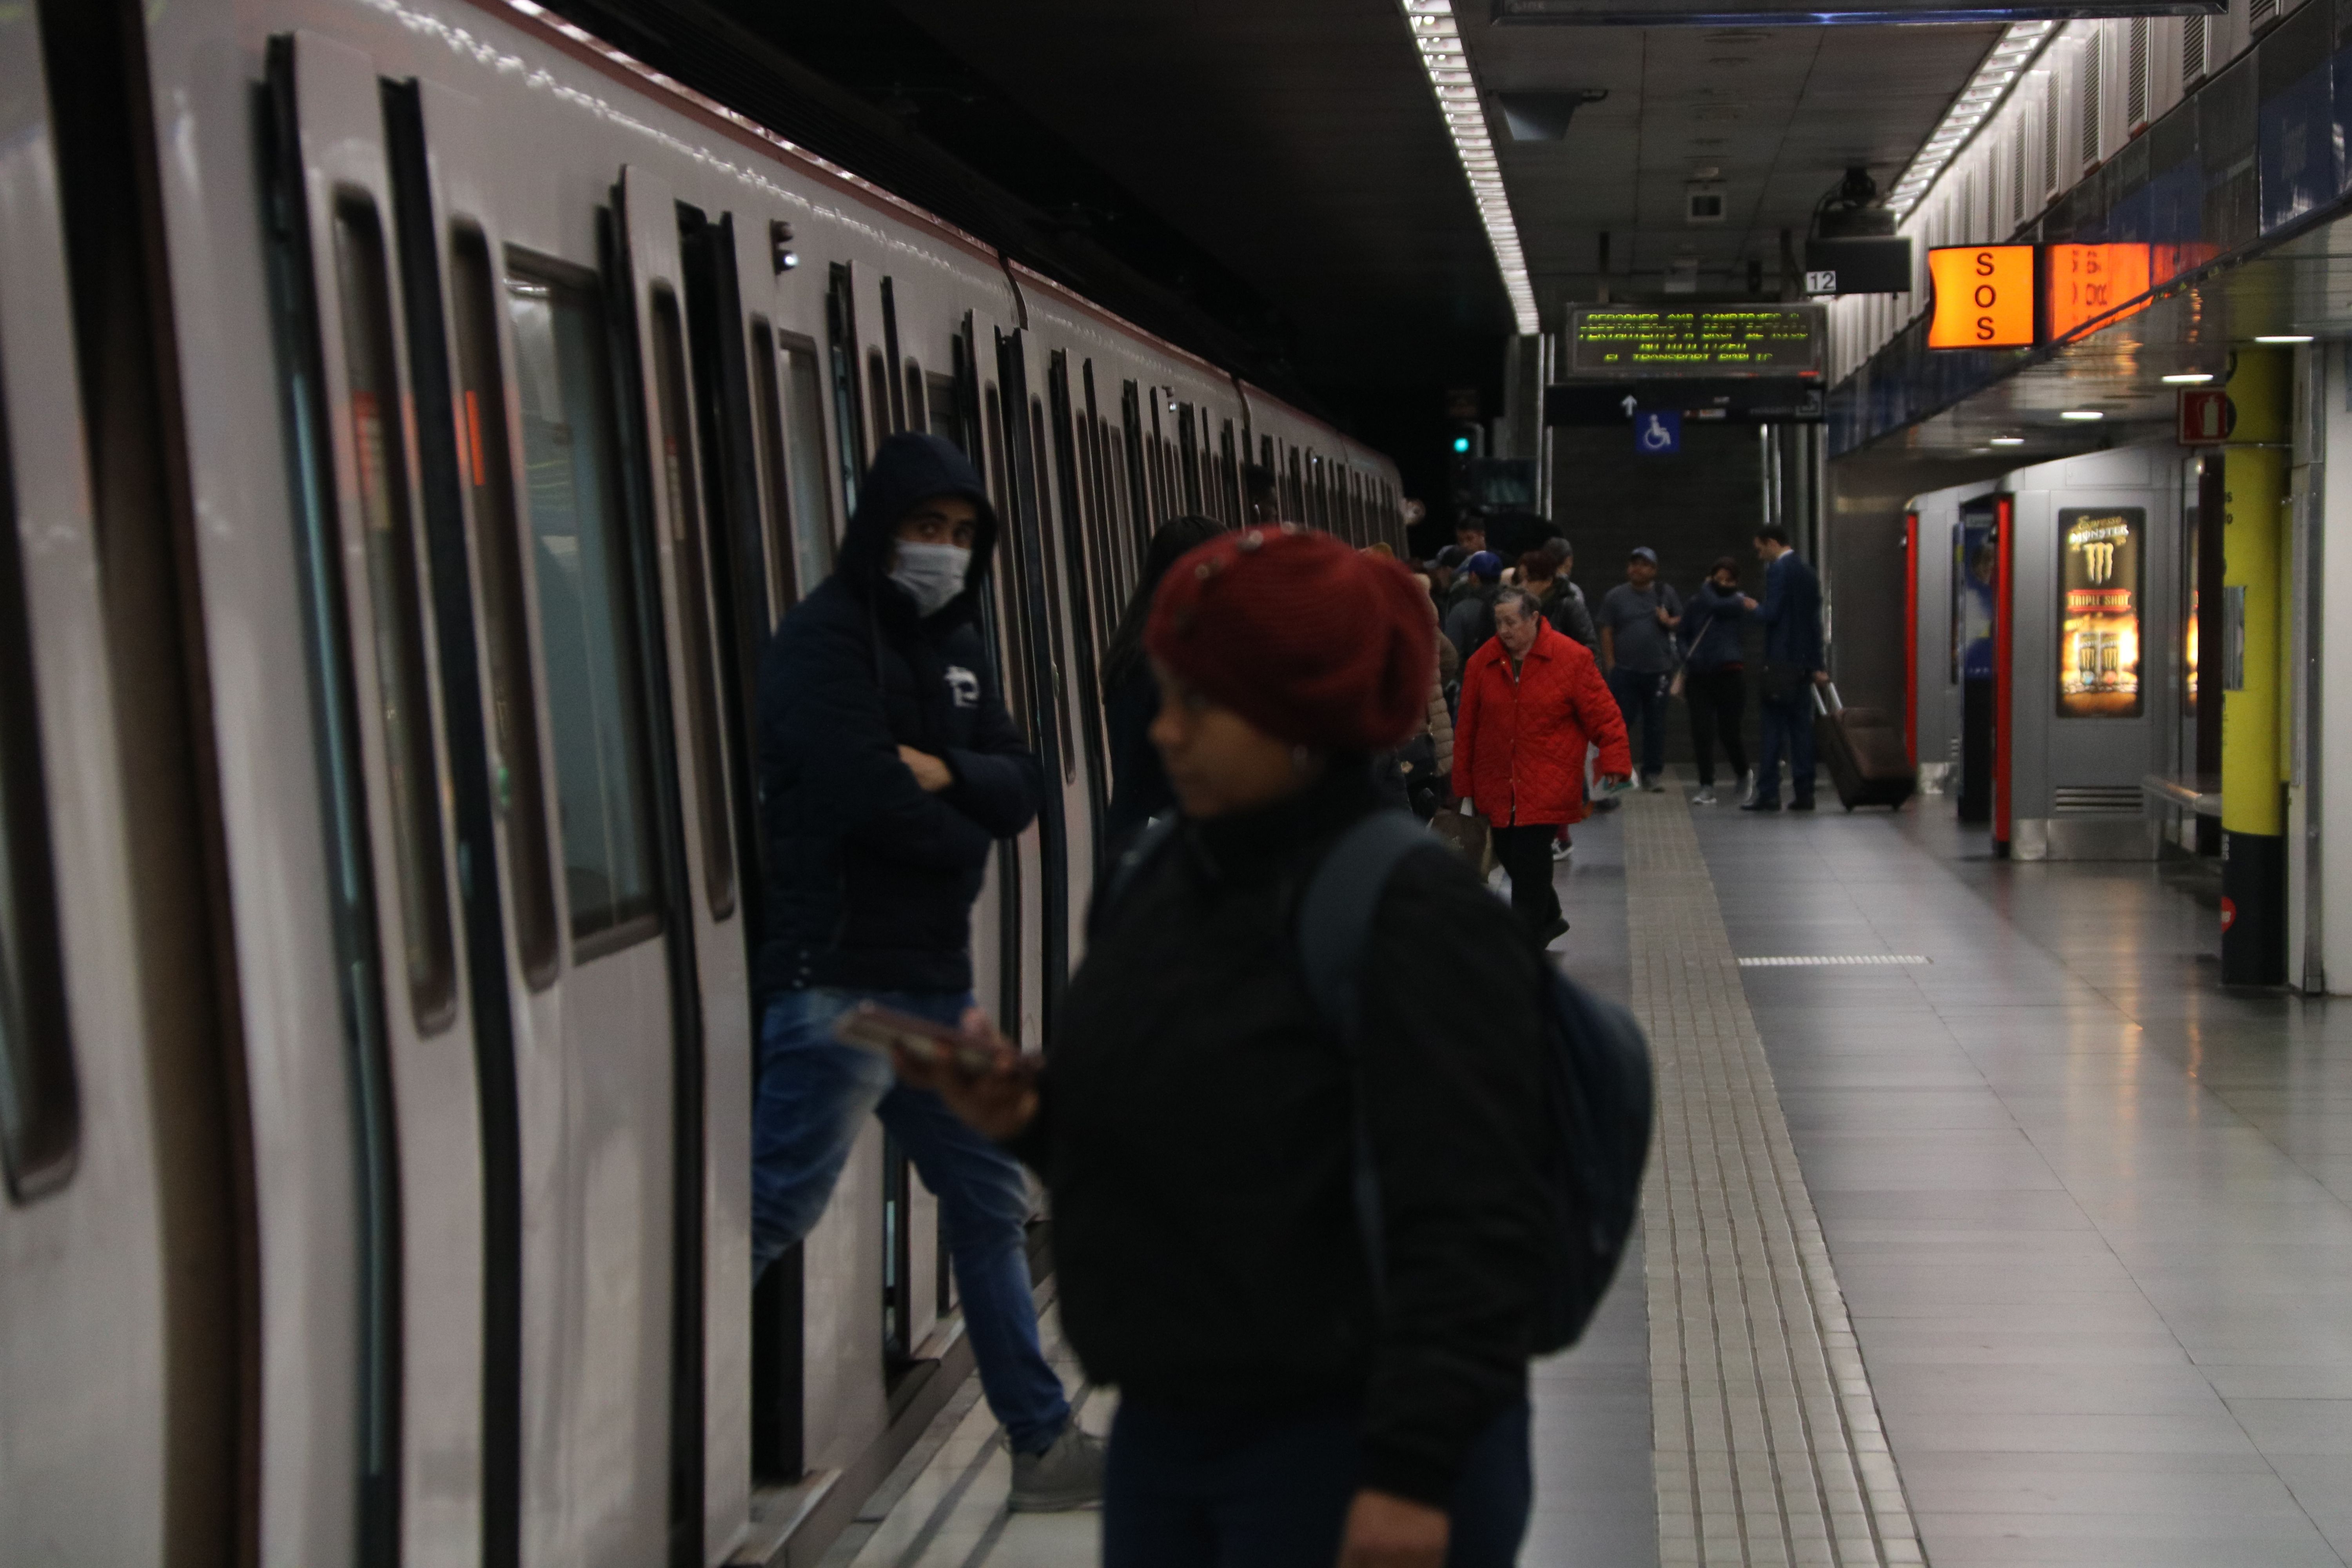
(417, 413)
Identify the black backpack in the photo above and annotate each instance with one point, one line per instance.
(1596, 1063)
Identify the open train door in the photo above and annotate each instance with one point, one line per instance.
(712, 1362)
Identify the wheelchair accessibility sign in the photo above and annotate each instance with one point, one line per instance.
(1658, 432)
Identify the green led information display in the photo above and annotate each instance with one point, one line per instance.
(1694, 340)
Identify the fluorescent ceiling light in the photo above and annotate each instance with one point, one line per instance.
(2009, 440)
(2081, 414)
(1999, 72)
(2188, 378)
(2283, 338)
(1450, 79)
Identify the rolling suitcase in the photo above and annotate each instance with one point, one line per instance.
(1862, 751)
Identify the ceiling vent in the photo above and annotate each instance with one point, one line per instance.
(1702, 201)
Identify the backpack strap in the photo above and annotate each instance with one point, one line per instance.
(1148, 845)
(1335, 926)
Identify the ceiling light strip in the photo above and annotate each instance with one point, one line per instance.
(1439, 39)
(2002, 69)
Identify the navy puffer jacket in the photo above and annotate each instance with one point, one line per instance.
(871, 879)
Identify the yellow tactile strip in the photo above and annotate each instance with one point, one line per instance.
(1768, 1445)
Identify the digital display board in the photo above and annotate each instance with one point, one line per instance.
(2099, 581)
(1983, 297)
(1694, 340)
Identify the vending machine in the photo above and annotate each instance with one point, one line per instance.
(1947, 540)
(2086, 641)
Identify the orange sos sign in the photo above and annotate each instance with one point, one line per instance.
(1984, 297)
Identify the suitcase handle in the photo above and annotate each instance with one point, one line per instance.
(1834, 705)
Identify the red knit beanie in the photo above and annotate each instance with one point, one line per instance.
(1301, 635)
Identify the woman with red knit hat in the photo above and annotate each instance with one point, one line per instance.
(1285, 1398)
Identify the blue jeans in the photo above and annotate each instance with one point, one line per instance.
(1187, 1489)
(1642, 695)
(1787, 727)
(815, 1095)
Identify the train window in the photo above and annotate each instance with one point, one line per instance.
(768, 450)
(841, 337)
(397, 612)
(1014, 654)
(878, 395)
(1188, 448)
(943, 417)
(674, 471)
(40, 1100)
(812, 497)
(587, 614)
(482, 452)
(918, 406)
(1045, 566)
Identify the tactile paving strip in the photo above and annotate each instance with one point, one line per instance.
(1769, 1448)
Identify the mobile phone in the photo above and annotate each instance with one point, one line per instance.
(871, 1026)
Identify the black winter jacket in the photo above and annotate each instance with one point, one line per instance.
(1195, 1129)
(870, 880)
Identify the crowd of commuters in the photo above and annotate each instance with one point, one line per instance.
(1305, 1375)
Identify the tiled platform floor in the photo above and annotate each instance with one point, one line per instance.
(2092, 1218)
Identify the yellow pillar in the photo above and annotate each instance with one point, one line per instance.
(2254, 560)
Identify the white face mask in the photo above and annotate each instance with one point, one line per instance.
(930, 574)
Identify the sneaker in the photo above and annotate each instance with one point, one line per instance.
(1748, 786)
(1653, 784)
(1561, 849)
(1804, 804)
(1705, 797)
(1069, 1475)
(1552, 932)
(1761, 806)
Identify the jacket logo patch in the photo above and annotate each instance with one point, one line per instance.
(963, 686)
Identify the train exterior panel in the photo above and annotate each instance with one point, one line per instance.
(506, 396)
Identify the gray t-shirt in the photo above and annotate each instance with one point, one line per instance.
(1632, 613)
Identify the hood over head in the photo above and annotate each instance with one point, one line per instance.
(911, 467)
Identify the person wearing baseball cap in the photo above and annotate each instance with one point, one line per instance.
(1470, 624)
(1198, 1123)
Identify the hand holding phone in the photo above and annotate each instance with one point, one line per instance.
(984, 1081)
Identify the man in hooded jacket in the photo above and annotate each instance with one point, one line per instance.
(888, 770)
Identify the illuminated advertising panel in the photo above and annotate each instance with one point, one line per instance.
(2087, 282)
(1983, 297)
(2099, 611)
(1694, 340)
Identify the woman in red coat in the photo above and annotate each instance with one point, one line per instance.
(1531, 702)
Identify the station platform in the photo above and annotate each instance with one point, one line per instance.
(1994, 1233)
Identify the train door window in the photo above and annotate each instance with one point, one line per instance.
(396, 609)
(942, 414)
(1130, 447)
(1229, 476)
(519, 786)
(673, 470)
(1052, 580)
(841, 335)
(768, 450)
(40, 1099)
(919, 407)
(1296, 493)
(1015, 655)
(811, 498)
(587, 614)
(1188, 448)
(878, 395)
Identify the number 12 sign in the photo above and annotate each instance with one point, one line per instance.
(1984, 297)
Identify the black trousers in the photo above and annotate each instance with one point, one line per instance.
(1524, 852)
(1718, 703)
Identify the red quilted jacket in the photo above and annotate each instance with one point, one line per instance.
(1518, 745)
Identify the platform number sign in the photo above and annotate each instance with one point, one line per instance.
(1983, 297)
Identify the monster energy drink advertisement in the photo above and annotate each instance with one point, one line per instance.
(2098, 611)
